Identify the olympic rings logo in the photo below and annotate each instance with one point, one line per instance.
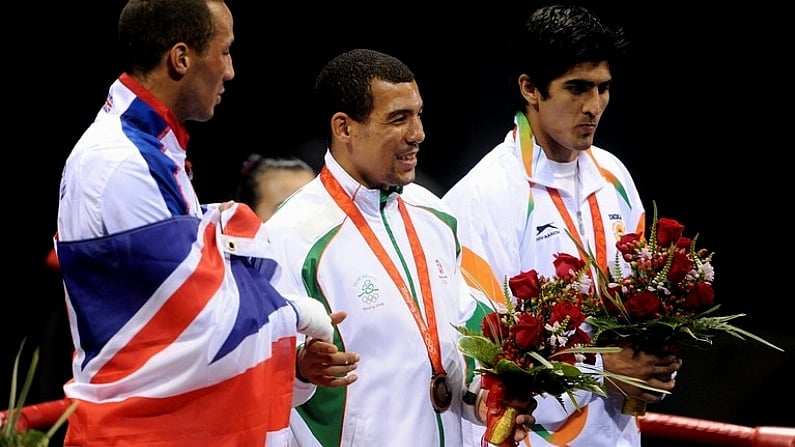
(369, 293)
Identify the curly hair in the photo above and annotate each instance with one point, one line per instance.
(344, 84)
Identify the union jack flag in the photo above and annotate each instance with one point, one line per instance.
(181, 340)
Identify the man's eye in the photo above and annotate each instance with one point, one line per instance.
(578, 89)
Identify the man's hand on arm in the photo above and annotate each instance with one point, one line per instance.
(321, 363)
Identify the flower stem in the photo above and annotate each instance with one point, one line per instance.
(633, 407)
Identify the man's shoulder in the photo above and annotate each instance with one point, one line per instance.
(105, 137)
(309, 209)
(497, 175)
(419, 195)
(419, 191)
(605, 160)
(603, 155)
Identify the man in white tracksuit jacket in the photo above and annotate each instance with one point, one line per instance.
(365, 240)
(546, 181)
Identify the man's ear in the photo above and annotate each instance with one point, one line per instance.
(179, 58)
(528, 89)
(341, 126)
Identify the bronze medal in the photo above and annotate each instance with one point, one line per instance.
(440, 393)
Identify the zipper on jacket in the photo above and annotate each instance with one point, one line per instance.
(382, 206)
(577, 201)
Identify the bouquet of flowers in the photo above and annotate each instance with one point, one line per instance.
(10, 436)
(665, 301)
(532, 345)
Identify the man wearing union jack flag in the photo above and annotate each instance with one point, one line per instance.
(180, 339)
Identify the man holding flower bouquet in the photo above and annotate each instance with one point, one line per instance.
(547, 190)
(364, 239)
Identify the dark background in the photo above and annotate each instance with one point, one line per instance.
(692, 116)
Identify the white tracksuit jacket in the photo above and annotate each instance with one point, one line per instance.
(323, 254)
(508, 223)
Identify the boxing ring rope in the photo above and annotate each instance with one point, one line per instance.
(707, 432)
(43, 415)
(39, 416)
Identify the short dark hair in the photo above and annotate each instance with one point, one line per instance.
(557, 37)
(344, 84)
(255, 164)
(148, 28)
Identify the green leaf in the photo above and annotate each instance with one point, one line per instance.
(479, 348)
(9, 437)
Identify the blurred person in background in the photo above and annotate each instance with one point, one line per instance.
(267, 182)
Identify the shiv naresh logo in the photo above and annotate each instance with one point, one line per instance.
(540, 229)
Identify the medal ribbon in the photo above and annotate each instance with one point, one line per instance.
(598, 228)
(523, 134)
(429, 334)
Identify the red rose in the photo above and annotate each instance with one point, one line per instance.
(565, 309)
(493, 327)
(528, 331)
(644, 305)
(701, 295)
(684, 243)
(668, 231)
(680, 265)
(567, 266)
(525, 285)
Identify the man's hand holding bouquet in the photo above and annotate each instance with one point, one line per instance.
(535, 345)
(666, 301)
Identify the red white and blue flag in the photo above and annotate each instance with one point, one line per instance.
(179, 318)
